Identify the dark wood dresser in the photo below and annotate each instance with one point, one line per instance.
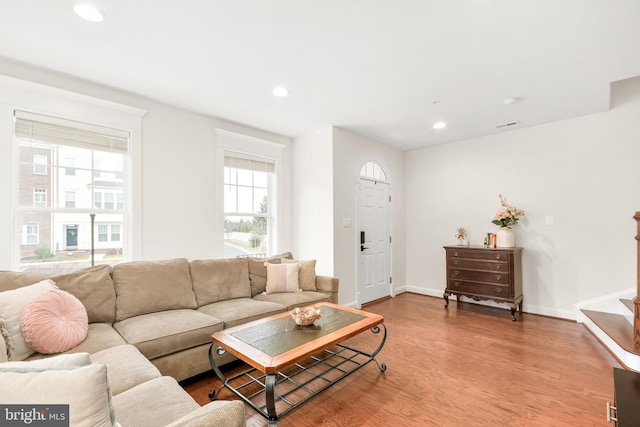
(485, 274)
(626, 411)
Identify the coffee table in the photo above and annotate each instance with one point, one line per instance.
(290, 364)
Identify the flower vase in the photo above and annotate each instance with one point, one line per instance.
(505, 238)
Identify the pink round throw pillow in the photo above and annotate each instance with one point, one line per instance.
(54, 322)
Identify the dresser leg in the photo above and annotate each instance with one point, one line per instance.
(513, 311)
(446, 299)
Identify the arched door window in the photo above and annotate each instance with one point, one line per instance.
(374, 171)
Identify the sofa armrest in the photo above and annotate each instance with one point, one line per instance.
(328, 285)
(228, 413)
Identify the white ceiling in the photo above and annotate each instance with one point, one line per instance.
(386, 69)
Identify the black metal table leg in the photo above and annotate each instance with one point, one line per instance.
(270, 389)
(219, 374)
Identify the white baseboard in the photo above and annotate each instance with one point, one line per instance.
(527, 308)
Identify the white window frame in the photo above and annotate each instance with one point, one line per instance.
(40, 193)
(232, 142)
(40, 167)
(18, 94)
(28, 231)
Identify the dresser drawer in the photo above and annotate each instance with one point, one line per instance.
(478, 254)
(472, 264)
(480, 276)
(485, 289)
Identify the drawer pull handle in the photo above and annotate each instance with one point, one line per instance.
(498, 256)
(499, 291)
(498, 277)
(456, 262)
(456, 284)
(455, 253)
(615, 410)
(498, 267)
(455, 273)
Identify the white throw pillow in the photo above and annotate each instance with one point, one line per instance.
(63, 361)
(85, 389)
(11, 304)
(282, 277)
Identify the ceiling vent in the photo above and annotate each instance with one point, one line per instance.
(506, 125)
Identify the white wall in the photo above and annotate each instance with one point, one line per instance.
(177, 190)
(350, 153)
(584, 172)
(312, 197)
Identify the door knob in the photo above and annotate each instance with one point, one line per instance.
(363, 247)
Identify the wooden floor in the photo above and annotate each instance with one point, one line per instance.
(467, 365)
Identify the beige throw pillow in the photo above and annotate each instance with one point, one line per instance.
(11, 305)
(282, 278)
(85, 389)
(258, 271)
(306, 275)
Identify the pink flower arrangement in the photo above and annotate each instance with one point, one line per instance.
(508, 215)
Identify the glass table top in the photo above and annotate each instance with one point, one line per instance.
(281, 335)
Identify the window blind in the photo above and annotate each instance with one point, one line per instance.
(248, 163)
(38, 127)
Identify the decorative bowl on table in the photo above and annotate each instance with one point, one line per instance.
(305, 316)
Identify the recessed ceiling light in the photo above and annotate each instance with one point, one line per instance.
(439, 125)
(88, 12)
(280, 91)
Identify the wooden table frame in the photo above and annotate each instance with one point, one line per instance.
(324, 360)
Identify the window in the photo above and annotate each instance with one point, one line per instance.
(108, 232)
(374, 171)
(30, 234)
(103, 233)
(40, 197)
(247, 219)
(108, 200)
(115, 232)
(55, 209)
(69, 199)
(39, 164)
(70, 163)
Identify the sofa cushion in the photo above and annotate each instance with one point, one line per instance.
(17, 279)
(144, 287)
(126, 367)
(227, 413)
(11, 304)
(220, 279)
(99, 337)
(306, 275)
(94, 288)
(54, 321)
(258, 271)
(60, 361)
(241, 310)
(282, 278)
(85, 389)
(157, 402)
(166, 332)
(292, 300)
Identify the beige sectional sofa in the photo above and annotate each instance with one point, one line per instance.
(166, 311)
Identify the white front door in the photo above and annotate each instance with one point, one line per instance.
(374, 270)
